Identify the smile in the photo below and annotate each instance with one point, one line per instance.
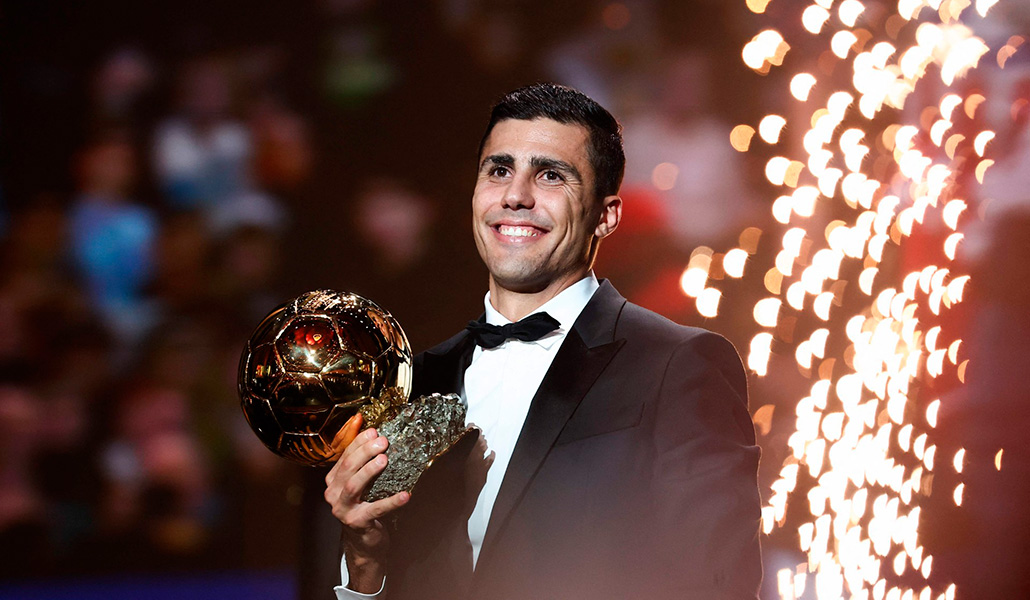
(515, 231)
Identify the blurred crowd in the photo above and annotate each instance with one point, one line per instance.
(174, 173)
(124, 306)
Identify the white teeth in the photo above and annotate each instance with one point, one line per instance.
(517, 231)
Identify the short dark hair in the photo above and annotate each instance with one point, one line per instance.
(568, 106)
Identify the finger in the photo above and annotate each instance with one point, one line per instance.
(367, 452)
(346, 434)
(359, 446)
(380, 508)
(346, 486)
(355, 487)
(364, 516)
(351, 430)
(346, 464)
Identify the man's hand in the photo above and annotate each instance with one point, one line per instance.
(366, 540)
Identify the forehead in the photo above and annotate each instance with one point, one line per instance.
(540, 137)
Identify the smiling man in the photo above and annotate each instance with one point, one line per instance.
(537, 215)
(620, 455)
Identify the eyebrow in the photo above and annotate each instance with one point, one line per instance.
(537, 162)
(505, 160)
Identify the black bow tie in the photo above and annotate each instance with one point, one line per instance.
(530, 329)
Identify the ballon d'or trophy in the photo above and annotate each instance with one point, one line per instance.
(316, 361)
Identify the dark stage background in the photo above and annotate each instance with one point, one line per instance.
(171, 171)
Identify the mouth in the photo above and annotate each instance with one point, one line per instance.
(518, 233)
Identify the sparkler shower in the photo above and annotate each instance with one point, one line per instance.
(877, 164)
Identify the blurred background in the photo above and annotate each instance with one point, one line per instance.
(171, 171)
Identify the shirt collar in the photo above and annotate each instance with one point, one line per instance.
(565, 307)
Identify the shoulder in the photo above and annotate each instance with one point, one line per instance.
(685, 351)
(642, 325)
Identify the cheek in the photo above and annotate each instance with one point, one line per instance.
(581, 217)
(481, 200)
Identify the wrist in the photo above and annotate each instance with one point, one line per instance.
(366, 571)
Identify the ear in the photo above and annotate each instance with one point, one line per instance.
(611, 215)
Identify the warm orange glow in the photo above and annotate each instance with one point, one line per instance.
(758, 357)
(801, 86)
(1004, 55)
(909, 9)
(767, 312)
(757, 6)
(693, 281)
(733, 262)
(980, 142)
(982, 6)
(740, 137)
(814, 17)
(849, 12)
(708, 302)
(770, 127)
(981, 169)
(776, 169)
(972, 103)
(865, 432)
(842, 42)
(766, 48)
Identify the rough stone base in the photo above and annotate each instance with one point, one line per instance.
(422, 430)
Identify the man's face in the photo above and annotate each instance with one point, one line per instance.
(534, 213)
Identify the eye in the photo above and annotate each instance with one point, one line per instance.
(552, 176)
(499, 171)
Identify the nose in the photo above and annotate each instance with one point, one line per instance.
(518, 194)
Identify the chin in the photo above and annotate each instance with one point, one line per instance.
(524, 281)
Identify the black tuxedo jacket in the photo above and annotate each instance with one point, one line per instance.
(635, 475)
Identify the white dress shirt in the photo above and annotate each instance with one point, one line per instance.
(499, 386)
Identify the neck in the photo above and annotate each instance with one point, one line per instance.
(517, 304)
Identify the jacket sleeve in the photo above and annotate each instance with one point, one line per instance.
(706, 506)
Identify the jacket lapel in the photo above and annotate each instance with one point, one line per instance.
(584, 354)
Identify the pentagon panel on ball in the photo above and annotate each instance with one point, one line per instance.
(313, 363)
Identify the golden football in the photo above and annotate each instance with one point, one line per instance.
(313, 363)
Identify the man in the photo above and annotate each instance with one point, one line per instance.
(622, 456)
